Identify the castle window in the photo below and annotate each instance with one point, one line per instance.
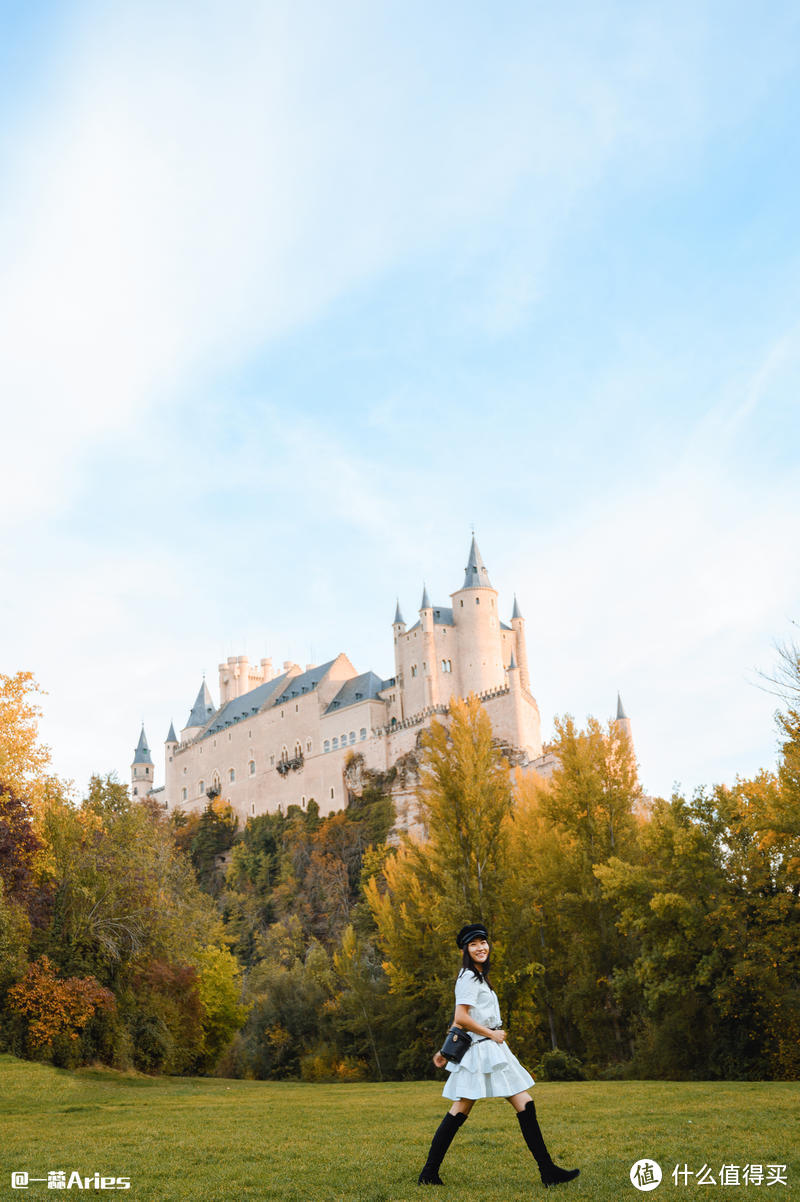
(284, 754)
(202, 788)
(363, 732)
(232, 775)
(352, 736)
(303, 801)
(335, 743)
(136, 792)
(333, 794)
(272, 761)
(308, 746)
(477, 600)
(296, 708)
(298, 750)
(184, 794)
(344, 740)
(185, 771)
(252, 807)
(413, 669)
(326, 746)
(461, 603)
(447, 665)
(215, 782)
(252, 767)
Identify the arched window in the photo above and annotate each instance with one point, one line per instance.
(413, 669)
(335, 743)
(252, 767)
(363, 732)
(298, 750)
(231, 775)
(215, 782)
(326, 746)
(333, 794)
(252, 807)
(201, 788)
(284, 754)
(308, 746)
(184, 793)
(352, 736)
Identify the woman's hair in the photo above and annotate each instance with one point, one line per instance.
(468, 965)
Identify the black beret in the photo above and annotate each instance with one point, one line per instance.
(473, 930)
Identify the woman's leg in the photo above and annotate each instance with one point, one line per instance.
(550, 1173)
(442, 1139)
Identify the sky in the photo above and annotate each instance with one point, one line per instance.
(294, 296)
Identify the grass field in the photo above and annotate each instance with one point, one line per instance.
(182, 1138)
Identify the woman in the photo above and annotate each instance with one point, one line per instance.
(488, 1069)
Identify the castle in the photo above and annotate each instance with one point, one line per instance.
(281, 739)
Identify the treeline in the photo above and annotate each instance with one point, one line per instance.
(631, 937)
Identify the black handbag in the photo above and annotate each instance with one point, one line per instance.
(456, 1045)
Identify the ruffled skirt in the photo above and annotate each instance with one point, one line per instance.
(488, 1070)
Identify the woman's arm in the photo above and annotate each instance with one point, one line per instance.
(464, 1019)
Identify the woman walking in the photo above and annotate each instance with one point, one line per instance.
(488, 1069)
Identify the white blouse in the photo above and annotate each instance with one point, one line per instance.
(482, 1000)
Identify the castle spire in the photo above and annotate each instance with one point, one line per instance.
(515, 613)
(142, 753)
(426, 603)
(171, 737)
(620, 710)
(399, 620)
(476, 575)
(202, 709)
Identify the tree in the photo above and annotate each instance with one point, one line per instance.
(23, 759)
(459, 873)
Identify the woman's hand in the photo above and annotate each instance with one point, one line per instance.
(439, 1060)
(498, 1036)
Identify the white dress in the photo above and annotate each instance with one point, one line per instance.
(489, 1069)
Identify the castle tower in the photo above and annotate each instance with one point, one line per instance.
(141, 768)
(518, 626)
(398, 630)
(622, 721)
(430, 677)
(477, 625)
(201, 711)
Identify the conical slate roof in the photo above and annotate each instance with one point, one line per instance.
(171, 737)
(426, 601)
(142, 753)
(398, 617)
(202, 709)
(476, 575)
(513, 663)
(620, 709)
(515, 613)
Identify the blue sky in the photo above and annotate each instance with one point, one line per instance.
(293, 295)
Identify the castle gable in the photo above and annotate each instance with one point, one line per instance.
(365, 687)
(306, 682)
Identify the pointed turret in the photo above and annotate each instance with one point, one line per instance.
(202, 709)
(426, 601)
(141, 768)
(142, 753)
(622, 720)
(476, 575)
(512, 667)
(399, 620)
(171, 736)
(518, 626)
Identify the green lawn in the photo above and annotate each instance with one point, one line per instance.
(179, 1138)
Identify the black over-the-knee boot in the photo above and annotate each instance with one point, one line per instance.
(441, 1141)
(551, 1173)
